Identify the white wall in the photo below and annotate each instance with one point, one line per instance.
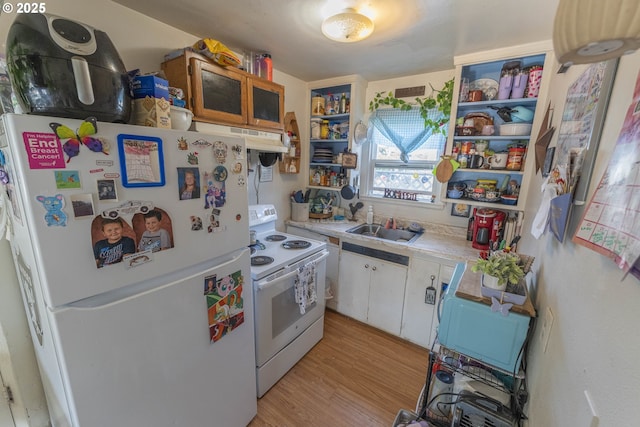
(277, 191)
(594, 343)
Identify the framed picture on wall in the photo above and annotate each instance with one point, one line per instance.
(349, 160)
(460, 209)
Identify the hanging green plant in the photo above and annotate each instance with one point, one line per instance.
(441, 101)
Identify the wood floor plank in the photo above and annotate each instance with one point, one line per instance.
(355, 376)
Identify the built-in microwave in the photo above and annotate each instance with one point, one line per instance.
(226, 95)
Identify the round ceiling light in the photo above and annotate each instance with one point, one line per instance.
(347, 26)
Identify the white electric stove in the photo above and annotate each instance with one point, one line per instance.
(285, 332)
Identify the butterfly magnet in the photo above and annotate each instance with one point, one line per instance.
(82, 135)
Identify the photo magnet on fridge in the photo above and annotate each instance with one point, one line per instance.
(82, 205)
(67, 179)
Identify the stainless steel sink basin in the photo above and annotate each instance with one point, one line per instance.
(378, 231)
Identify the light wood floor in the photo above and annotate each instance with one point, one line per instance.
(355, 376)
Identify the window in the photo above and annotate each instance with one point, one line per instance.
(403, 154)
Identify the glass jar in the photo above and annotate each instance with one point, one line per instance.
(324, 129)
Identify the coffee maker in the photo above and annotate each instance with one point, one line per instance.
(487, 226)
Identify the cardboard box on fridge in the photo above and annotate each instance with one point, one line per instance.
(152, 112)
(152, 86)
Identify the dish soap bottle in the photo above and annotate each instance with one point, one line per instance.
(370, 215)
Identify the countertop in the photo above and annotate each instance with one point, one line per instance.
(437, 241)
(469, 288)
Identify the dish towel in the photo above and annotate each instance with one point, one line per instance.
(305, 287)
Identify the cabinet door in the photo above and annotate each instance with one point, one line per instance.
(352, 292)
(386, 295)
(333, 269)
(265, 104)
(418, 315)
(219, 94)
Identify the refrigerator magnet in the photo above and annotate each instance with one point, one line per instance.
(137, 259)
(196, 223)
(237, 151)
(82, 205)
(81, 136)
(220, 173)
(220, 151)
(107, 190)
(237, 168)
(189, 183)
(192, 158)
(141, 161)
(241, 181)
(53, 206)
(182, 144)
(201, 143)
(67, 179)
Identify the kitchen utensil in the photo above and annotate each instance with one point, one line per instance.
(521, 114)
(180, 118)
(475, 161)
(454, 193)
(464, 90)
(348, 192)
(444, 169)
(498, 161)
(489, 87)
(475, 95)
(514, 129)
(360, 133)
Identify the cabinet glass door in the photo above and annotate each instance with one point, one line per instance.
(266, 104)
(218, 93)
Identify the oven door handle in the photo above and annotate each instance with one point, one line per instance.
(267, 281)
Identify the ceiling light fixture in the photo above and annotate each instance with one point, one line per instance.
(347, 26)
(587, 31)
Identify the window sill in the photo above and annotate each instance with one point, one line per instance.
(437, 205)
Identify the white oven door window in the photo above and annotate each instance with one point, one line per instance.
(278, 318)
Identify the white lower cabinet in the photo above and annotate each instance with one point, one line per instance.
(423, 291)
(352, 293)
(371, 290)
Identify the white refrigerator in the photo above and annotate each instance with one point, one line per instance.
(130, 245)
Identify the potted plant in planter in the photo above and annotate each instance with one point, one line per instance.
(499, 270)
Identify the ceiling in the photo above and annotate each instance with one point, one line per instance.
(410, 36)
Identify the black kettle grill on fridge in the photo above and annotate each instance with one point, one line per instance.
(59, 67)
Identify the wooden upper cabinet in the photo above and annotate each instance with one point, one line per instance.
(265, 104)
(218, 93)
(226, 95)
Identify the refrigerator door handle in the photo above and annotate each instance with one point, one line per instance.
(139, 288)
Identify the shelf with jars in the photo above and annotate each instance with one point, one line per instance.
(336, 107)
(493, 128)
(290, 163)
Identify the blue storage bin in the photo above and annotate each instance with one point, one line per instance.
(471, 328)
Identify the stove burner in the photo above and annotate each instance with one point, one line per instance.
(261, 260)
(296, 244)
(275, 238)
(257, 246)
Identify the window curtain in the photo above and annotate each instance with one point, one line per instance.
(405, 129)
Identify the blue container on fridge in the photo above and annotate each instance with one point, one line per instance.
(471, 328)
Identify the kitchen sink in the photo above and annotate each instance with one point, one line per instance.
(378, 231)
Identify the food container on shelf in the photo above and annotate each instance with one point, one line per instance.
(180, 118)
(514, 159)
(317, 106)
(509, 199)
(514, 129)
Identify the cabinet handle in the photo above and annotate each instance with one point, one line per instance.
(374, 268)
